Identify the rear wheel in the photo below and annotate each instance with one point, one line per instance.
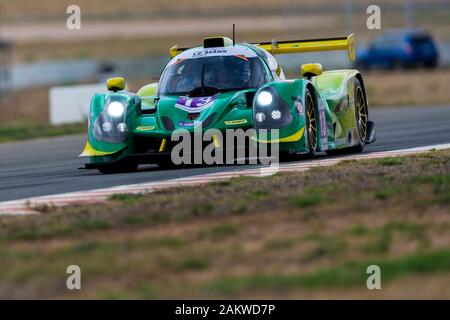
(362, 114)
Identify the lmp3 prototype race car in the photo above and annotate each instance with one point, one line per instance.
(226, 85)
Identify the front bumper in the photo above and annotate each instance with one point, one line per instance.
(137, 158)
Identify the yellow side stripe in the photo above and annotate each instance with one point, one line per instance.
(292, 138)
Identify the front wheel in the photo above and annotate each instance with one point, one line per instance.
(311, 124)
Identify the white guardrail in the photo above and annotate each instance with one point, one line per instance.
(70, 104)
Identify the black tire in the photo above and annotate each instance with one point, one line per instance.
(311, 123)
(117, 168)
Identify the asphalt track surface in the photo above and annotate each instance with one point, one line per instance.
(50, 166)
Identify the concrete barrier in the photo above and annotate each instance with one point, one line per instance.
(69, 104)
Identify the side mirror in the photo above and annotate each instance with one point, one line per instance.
(115, 84)
(311, 70)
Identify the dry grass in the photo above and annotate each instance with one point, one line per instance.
(149, 27)
(414, 87)
(20, 10)
(248, 238)
(30, 105)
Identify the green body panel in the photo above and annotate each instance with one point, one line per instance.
(229, 106)
(288, 90)
(96, 108)
(291, 89)
(334, 86)
(148, 95)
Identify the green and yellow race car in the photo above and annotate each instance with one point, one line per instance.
(224, 85)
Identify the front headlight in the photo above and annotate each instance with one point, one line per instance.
(116, 109)
(111, 124)
(270, 111)
(264, 98)
(276, 114)
(260, 117)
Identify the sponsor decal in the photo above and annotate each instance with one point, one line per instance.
(349, 137)
(352, 137)
(195, 104)
(209, 52)
(189, 124)
(186, 124)
(199, 52)
(323, 126)
(355, 136)
(298, 105)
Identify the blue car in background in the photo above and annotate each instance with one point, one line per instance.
(399, 49)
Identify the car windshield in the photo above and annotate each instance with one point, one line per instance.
(210, 75)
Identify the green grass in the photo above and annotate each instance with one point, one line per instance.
(393, 161)
(306, 200)
(387, 192)
(25, 131)
(219, 231)
(193, 264)
(352, 273)
(127, 197)
(381, 243)
(280, 244)
(324, 246)
(358, 230)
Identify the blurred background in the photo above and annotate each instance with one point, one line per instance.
(132, 38)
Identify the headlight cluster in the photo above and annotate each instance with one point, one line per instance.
(116, 109)
(270, 111)
(265, 98)
(110, 125)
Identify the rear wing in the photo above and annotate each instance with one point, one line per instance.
(312, 45)
(297, 46)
